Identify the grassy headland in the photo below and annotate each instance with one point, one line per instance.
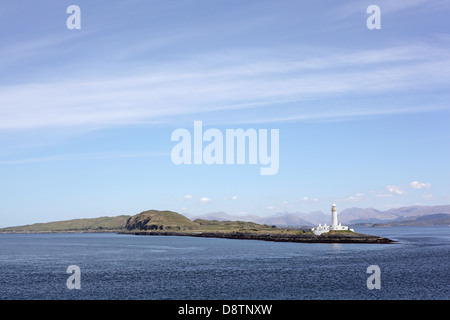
(102, 224)
(169, 223)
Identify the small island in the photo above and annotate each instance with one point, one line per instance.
(169, 223)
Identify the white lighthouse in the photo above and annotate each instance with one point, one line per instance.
(334, 224)
(334, 221)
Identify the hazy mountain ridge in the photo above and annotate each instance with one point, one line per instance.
(284, 219)
(435, 219)
(347, 216)
(370, 215)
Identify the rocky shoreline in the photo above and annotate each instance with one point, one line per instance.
(348, 237)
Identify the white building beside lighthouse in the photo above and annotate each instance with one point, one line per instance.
(334, 224)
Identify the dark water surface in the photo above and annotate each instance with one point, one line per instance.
(33, 266)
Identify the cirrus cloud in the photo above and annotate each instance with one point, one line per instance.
(225, 82)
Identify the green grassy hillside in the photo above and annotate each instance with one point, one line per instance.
(215, 225)
(160, 220)
(102, 224)
(151, 220)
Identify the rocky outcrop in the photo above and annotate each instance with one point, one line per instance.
(168, 223)
(278, 237)
(160, 220)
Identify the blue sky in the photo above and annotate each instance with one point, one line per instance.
(86, 115)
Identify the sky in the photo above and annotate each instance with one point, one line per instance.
(87, 115)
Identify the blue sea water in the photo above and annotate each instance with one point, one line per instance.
(113, 266)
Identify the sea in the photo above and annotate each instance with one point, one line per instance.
(111, 266)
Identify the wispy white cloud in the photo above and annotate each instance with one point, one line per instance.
(228, 81)
(396, 189)
(205, 200)
(82, 157)
(419, 185)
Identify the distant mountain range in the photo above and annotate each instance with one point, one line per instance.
(404, 216)
(412, 215)
(424, 220)
(284, 219)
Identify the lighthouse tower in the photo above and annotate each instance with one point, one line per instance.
(334, 224)
(334, 221)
